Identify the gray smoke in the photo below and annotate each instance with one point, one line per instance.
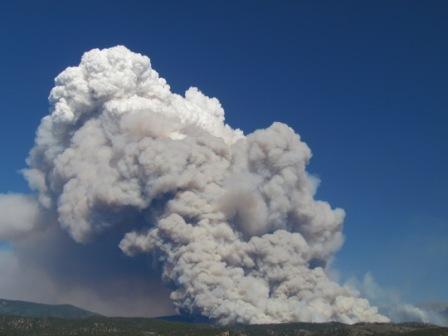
(45, 265)
(231, 218)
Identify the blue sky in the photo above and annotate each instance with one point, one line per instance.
(363, 82)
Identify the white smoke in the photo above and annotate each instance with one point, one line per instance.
(19, 214)
(231, 218)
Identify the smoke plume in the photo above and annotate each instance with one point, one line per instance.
(231, 219)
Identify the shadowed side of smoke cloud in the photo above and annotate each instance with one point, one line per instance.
(48, 266)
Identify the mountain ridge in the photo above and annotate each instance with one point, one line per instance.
(18, 318)
(33, 309)
(104, 326)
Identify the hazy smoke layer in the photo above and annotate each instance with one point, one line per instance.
(231, 218)
(391, 304)
(19, 215)
(48, 266)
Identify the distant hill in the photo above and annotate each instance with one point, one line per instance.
(31, 309)
(102, 326)
(19, 318)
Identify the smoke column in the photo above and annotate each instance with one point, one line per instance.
(231, 218)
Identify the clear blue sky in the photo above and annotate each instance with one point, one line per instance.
(363, 82)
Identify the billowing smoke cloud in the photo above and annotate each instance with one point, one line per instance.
(230, 218)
